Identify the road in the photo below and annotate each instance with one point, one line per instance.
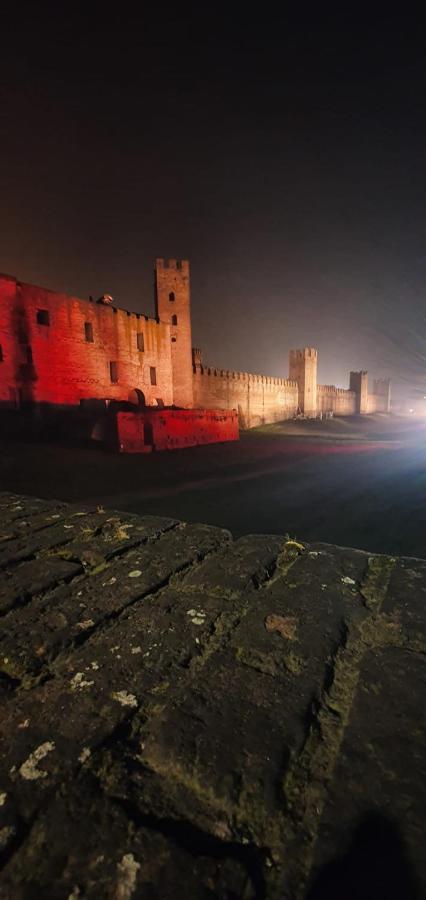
(354, 482)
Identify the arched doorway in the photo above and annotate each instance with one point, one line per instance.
(137, 397)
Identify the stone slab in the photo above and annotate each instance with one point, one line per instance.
(187, 715)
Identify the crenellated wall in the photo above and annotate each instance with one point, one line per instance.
(257, 398)
(59, 350)
(339, 401)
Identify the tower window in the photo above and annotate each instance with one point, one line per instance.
(178, 263)
(173, 340)
(29, 356)
(174, 320)
(172, 297)
(43, 317)
(140, 343)
(153, 374)
(1, 353)
(113, 372)
(88, 332)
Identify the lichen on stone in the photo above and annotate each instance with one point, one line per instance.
(125, 698)
(29, 769)
(127, 874)
(78, 682)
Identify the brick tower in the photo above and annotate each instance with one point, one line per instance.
(358, 382)
(172, 296)
(303, 369)
(383, 389)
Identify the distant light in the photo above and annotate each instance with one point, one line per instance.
(411, 410)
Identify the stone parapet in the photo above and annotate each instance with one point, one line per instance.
(185, 715)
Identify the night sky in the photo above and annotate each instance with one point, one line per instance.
(283, 154)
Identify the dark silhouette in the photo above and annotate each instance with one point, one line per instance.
(375, 867)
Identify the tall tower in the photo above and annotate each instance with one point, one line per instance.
(172, 297)
(303, 369)
(383, 389)
(358, 382)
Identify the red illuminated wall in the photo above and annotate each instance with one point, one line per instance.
(47, 355)
(55, 363)
(169, 429)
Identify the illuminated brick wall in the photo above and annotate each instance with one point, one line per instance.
(173, 307)
(170, 429)
(59, 349)
(339, 401)
(257, 398)
(303, 369)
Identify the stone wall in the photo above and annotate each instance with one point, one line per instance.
(59, 349)
(188, 716)
(257, 398)
(339, 401)
(56, 349)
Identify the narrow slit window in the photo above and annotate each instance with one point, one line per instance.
(153, 374)
(88, 332)
(29, 355)
(113, 372)
(1, 353)
(172, 297)
(43, 317)
(140, 341)
(174, 320)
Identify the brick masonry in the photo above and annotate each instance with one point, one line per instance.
(170, 429)
(184, 715)
(60, 350)
(51, 361)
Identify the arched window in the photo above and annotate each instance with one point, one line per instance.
(172, 296)
(174, 320)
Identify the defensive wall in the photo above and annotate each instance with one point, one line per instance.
(257, 398)
(169, 429)
(61, 350)
(58, 349)
(339, 401)
(189, 716)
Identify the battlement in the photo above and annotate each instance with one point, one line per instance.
(179, 265)
(332, 389)
(304, 353)
(230, 375)
(197, 359)
(58, 300)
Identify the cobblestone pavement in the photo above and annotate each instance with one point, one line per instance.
(184, 715)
